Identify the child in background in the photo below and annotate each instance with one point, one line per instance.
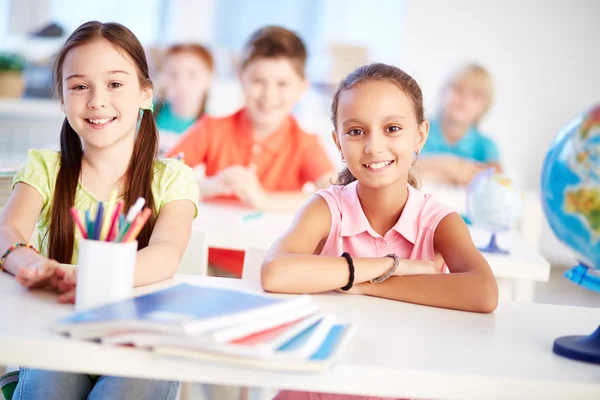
(456, 149)
(186, 74)
(259, 156)
(375, 234)
(103, 84)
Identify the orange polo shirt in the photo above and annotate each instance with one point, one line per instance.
(284, 162)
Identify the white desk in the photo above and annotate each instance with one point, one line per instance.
(236, 227)
(400, 350)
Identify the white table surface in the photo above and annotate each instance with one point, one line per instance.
(400, 349)
(234, 227)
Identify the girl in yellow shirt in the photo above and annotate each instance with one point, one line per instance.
(103, 85)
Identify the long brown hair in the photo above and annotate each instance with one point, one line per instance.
(373, 73)
(203, 54)
(137, 178)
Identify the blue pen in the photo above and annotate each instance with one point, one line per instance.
(98, 222)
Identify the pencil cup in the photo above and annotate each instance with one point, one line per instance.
(105, 273)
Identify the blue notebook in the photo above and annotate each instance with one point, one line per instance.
(182, 309)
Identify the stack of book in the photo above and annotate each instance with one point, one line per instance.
(219, 325)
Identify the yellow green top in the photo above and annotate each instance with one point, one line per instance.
(172, 181)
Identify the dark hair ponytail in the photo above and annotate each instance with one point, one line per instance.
(140, 172)
(62, 230)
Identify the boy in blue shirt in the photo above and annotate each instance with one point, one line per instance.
(456, 150)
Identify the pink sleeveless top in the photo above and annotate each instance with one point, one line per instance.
(411, 238)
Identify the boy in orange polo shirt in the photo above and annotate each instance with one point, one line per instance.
(259, 155)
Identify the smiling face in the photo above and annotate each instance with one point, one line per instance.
(272, 87)
(101, 94)
(378, 133)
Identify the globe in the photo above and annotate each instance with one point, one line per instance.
(493, 204)
(570, 192)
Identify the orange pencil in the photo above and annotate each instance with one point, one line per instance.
(137, 226)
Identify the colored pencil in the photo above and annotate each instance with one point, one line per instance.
(77, 220)
(131, 215)
(112, 230)
(88, 224)
(137, 226)
(98, 222)
(108, 213)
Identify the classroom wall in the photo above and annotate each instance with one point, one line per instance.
(544, 57)
(543, 54)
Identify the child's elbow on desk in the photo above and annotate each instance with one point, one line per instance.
(271, 278)
(486, 298)
(275, 277)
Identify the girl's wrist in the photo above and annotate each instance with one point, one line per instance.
(390, 271)
(20, 257)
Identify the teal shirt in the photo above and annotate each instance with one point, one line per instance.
(166, 120)
(473, 145)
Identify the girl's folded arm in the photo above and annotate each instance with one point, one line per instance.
(170, 237)
(293, 265)
(471, 285)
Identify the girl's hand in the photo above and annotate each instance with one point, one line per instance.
(245, 184)
(67, 281)
(416, 267)
(462, 171)
(216, 186)
(39, 274)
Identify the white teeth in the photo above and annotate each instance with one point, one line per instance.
(378, 165)
(100, 121)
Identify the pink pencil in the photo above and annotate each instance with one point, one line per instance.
(75, 215)
(113, 221)
(137, 225)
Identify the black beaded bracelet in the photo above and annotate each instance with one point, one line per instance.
(351, 268)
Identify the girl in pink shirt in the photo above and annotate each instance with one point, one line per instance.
(375, 233)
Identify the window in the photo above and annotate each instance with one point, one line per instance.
(143, 17)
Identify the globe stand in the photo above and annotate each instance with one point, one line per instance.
(581, 348)
(585, 276)
(492, 247)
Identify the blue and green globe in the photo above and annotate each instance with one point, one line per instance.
(571, 194)
(571, 201)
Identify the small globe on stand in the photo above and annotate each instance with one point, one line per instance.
(494, 205)
(570, 188)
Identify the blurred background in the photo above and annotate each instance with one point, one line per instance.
(542, 55)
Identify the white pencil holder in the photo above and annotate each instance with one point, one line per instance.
(105, 273)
